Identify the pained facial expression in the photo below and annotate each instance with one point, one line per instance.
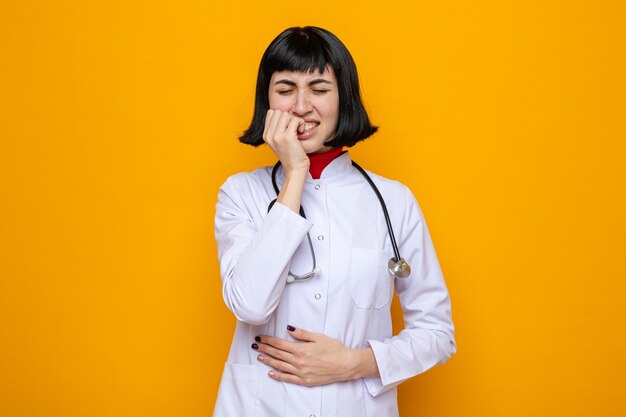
(313, 97)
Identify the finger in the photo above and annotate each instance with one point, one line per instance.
(302, 334)
(281, 126)
(270, 133)
(268, 117)
(285, 377)
(279, 343)
(275, 353)
(277, 364)
(295, 125)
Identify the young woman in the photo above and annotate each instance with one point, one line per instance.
(305, 263)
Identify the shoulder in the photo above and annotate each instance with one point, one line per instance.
(249, 191)
(391, 188)
(399, 199)
(242, 181)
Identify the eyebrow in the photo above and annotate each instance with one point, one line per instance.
(311, 83)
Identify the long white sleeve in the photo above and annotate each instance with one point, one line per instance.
(428, 336)
(254, 262)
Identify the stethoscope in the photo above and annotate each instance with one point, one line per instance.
(397, 266)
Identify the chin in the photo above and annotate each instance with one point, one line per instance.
(312, 148)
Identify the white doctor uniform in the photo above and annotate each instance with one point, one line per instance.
(348, 300)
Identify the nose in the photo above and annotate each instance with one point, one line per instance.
(302, 104)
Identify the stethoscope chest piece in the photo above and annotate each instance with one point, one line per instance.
(399, 269)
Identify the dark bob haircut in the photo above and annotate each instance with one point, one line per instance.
(306, 49)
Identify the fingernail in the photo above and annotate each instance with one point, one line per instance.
(260, 357)
(290, 328)
(258, 338)
(254, 346)
(271, 373)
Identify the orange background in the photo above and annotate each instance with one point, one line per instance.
(118, 123)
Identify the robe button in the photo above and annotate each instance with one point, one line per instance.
(317, 187)
(320, 237)
(318, 296)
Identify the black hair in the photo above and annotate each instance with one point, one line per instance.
(306, 49)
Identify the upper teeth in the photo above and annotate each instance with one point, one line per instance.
(308, 126)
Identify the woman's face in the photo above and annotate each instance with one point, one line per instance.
(313, 97)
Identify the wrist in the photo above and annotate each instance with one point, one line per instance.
(290, 194)
(363, 364)
(296, 173)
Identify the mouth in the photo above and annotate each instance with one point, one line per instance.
(309, 126)
(307, 130)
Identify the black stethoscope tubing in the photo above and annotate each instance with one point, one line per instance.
(396, 252)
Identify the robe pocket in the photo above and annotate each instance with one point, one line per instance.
(371, 283)
(238, 389)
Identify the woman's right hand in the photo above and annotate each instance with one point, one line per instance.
(281, 134)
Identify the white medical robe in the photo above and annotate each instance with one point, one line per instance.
(348, 300)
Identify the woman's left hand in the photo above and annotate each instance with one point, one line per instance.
(316, 360)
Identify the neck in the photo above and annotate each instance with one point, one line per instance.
(320, 161)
